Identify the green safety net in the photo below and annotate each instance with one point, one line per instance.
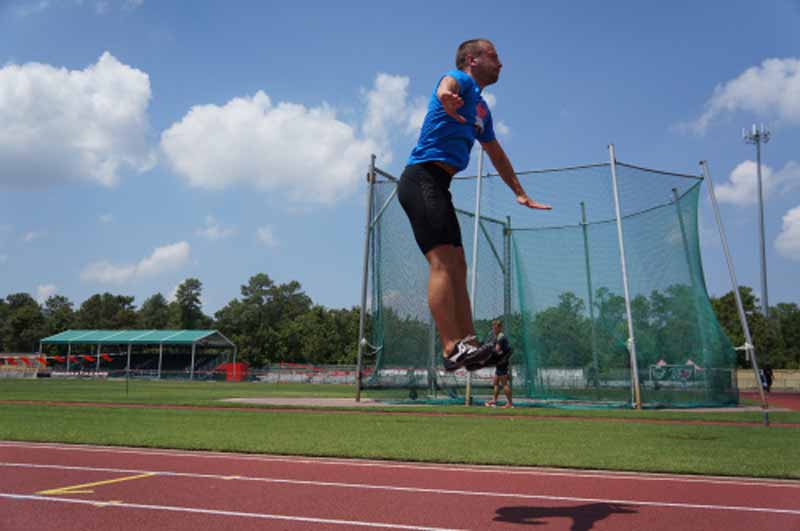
(555, 280)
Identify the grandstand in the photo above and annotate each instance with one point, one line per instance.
(192, 354)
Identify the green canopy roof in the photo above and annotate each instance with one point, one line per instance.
(139, 337)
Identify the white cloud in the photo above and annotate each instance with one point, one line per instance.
(44, 292)
(32, 8)
(167, 258)
(214, 231)
(502, 129)
(266, 236)
(788, 241)
(305, 152)
(741, 188)
(771, 90)
(61, 125)
(33, 235)
(386, 103)
(389, 112)
(416, 115)
(106, 218)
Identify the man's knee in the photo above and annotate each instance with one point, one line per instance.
(445, 258)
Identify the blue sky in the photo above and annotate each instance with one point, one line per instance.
(145, 142)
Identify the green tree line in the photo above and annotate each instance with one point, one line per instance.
(273, 323)
(269, 322)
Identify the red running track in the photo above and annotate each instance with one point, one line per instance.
(64, 487)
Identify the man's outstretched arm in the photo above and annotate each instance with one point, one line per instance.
(503, 166)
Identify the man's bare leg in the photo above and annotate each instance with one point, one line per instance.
(445, 266)
(507, 392)
(463, 306)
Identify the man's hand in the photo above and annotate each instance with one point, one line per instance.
(451, 102)
(524, 200)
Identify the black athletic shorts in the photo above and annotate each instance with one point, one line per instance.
(501, 370)
(424, 193)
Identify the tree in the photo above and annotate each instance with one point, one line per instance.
(4, 313)
(24, 324)
(58, 314)
(787, 316)
(263, 323)
(186, 311)
(767, 339)
(563, 333)
(154, 313)
(106, 312)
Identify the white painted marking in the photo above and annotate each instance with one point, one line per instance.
(416, 490)
(361, 463)
(213, 512)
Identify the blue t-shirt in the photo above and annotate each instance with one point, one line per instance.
(444, 139)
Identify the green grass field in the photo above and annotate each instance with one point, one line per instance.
(529, 436)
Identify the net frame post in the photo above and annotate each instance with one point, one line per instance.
(590, 291)
(739, 306)
(636, 391)
(507, 285)
(235, 352)
(69, 353)
(507, 294)
(365, 277)
(97, 367)
(194, 351)
(473, 295)
(160, 359)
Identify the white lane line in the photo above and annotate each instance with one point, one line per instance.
(416, 490)
(484, 469)
(213, 512)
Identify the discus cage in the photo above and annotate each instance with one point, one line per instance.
(603, 298)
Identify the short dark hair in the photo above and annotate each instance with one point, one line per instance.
(497, 322)
(471, 47)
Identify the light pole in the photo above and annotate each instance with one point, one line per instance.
(759, 137)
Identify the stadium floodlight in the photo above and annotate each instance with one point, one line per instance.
(760, 136)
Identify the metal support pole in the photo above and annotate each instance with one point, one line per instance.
(160, 358)
(637, 398)
(128, 370)
(69, 353)
(97, 367)
(590, 291)
(473, 295)
(507, 274)
(736, 295)
(235, 349)
(760, 137)
(191, 371)
(362, 320)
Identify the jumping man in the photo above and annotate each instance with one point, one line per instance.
(457, 115)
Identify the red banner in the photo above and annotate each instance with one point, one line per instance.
(43, 360)
(59, 359)
(11, 361)
(26, 361)
(106, 357)
(73, 358)
(88, 358)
